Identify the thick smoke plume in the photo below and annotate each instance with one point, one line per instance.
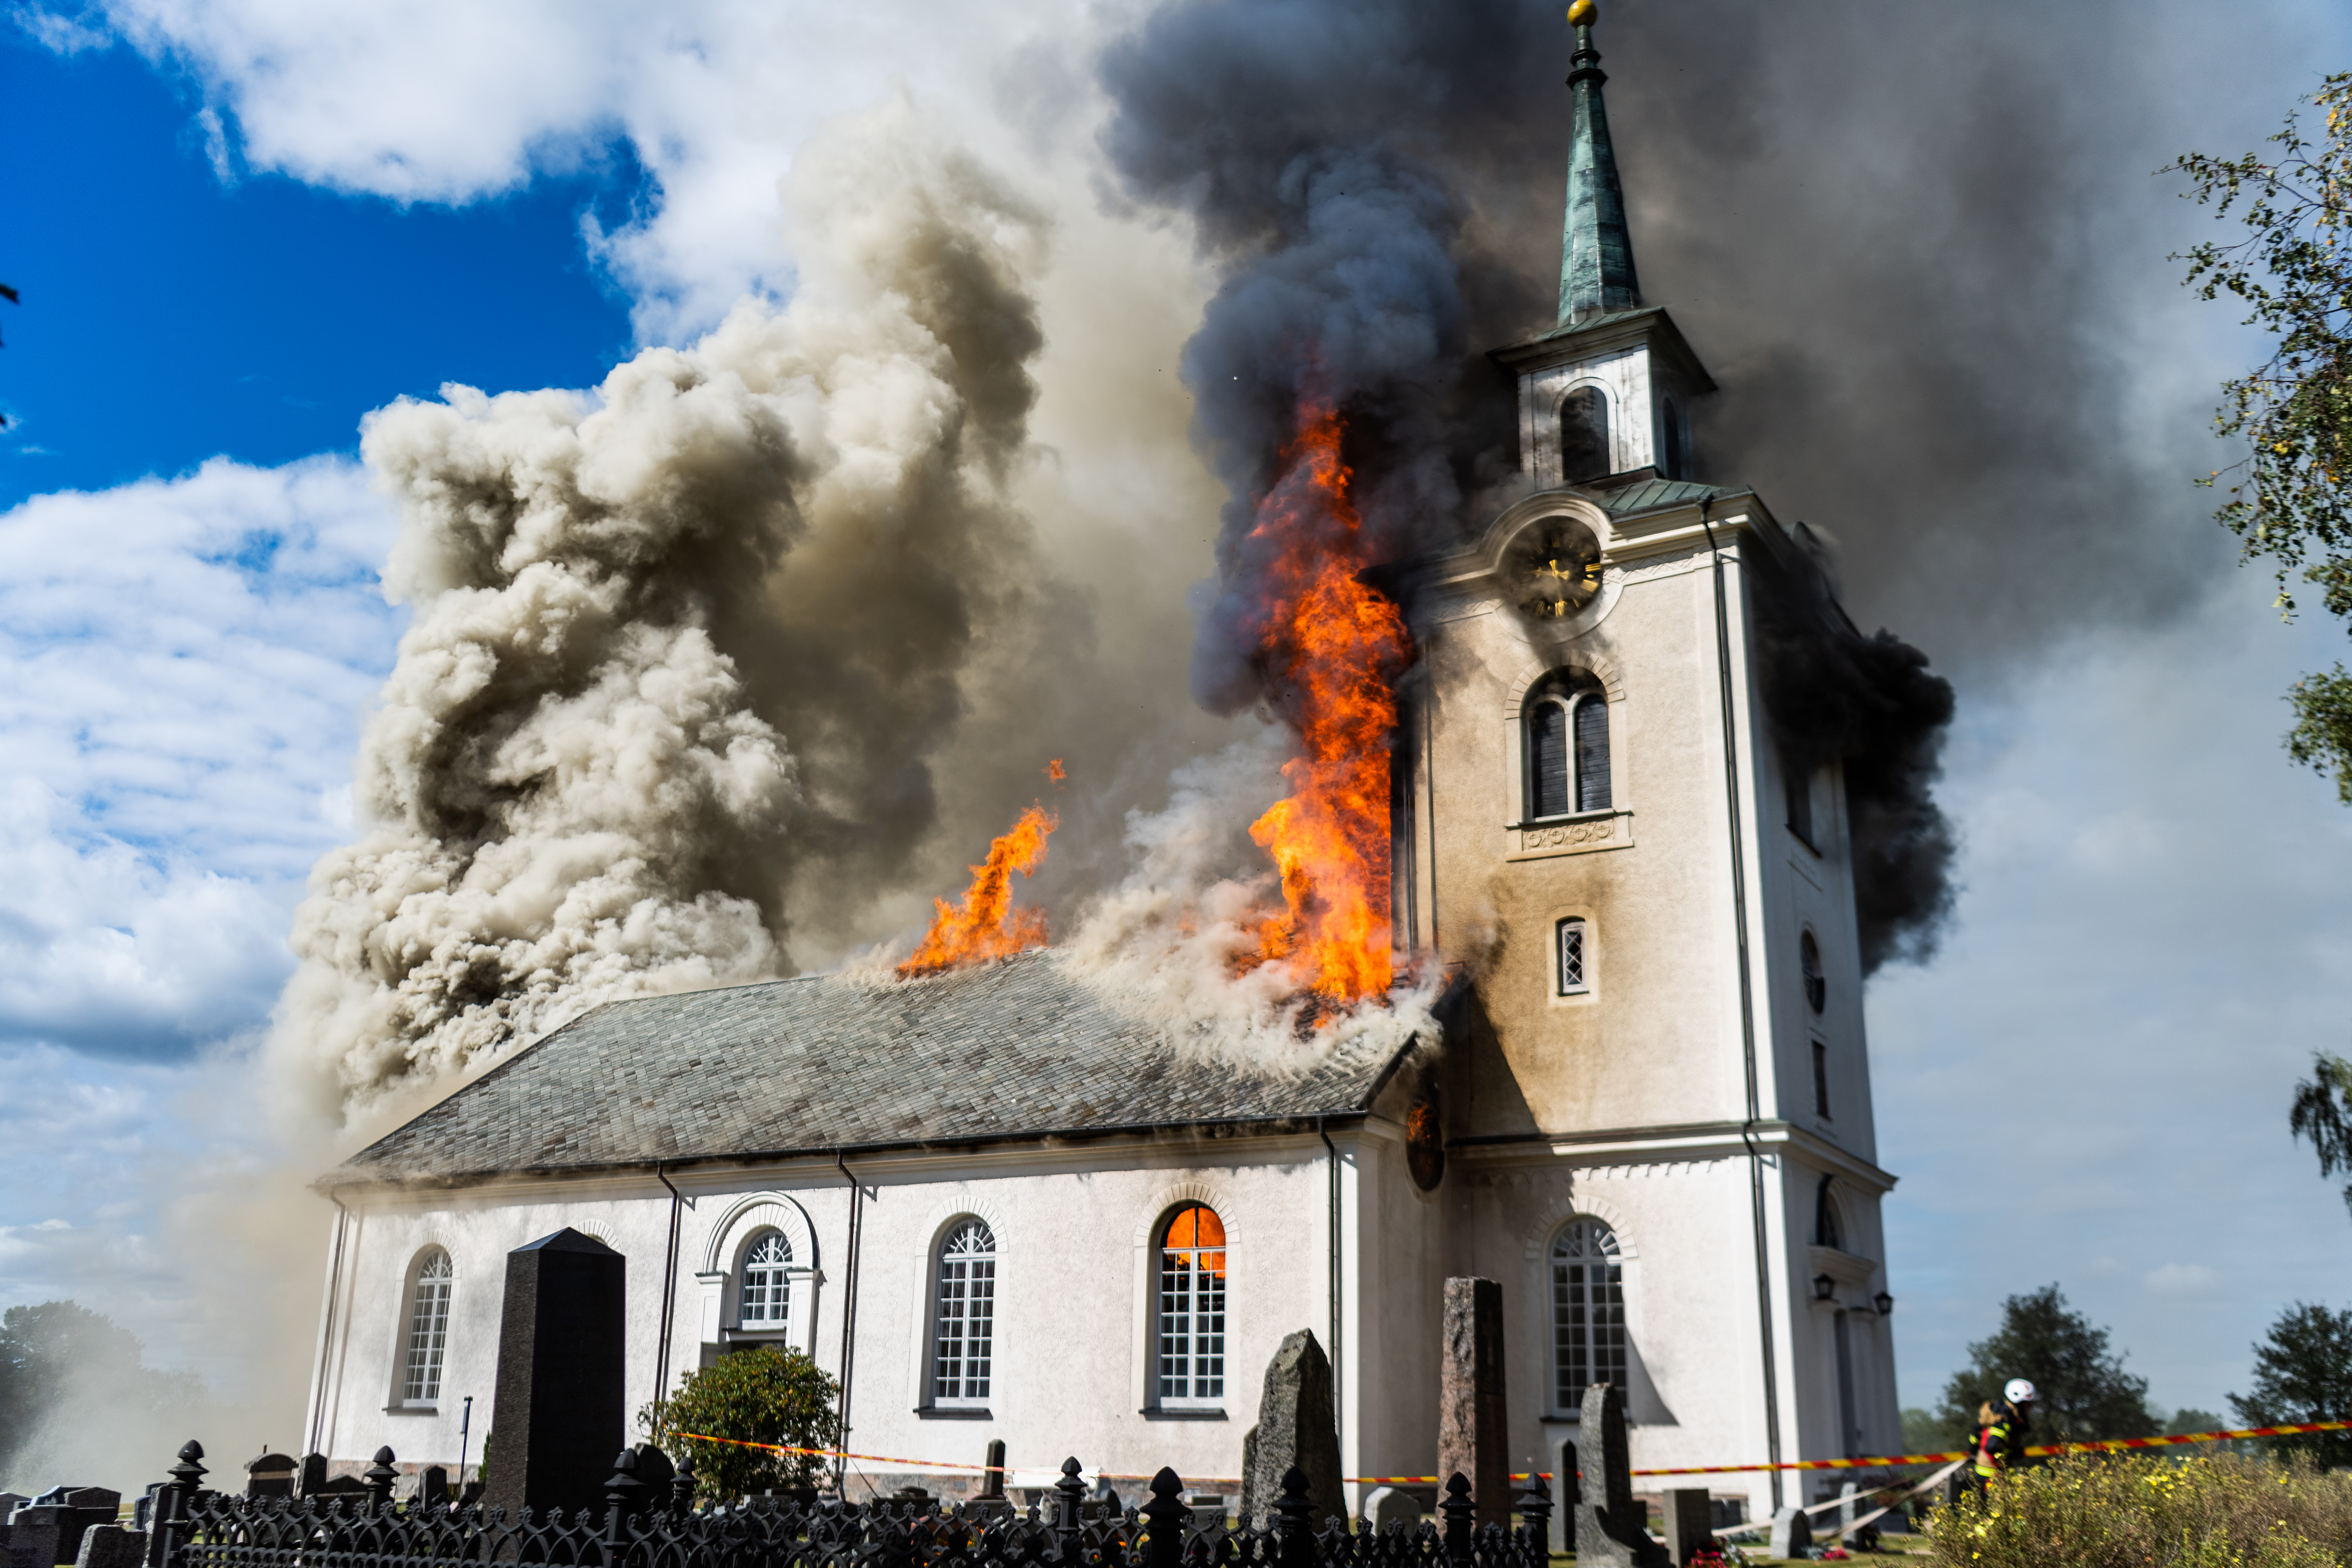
(1885, 235)
(682, 650)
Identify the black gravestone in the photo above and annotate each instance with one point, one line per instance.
(432, 1487)
(271, 1475)
(312, 1476)
(558, 1413)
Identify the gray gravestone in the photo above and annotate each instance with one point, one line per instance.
(1845, 1512)
(1611, 1527)
(1793, 1534)
(1386, 1506)
(111, 1546)
(37, 1532)
(991, 1484)
(1294, 1426)
(558, 1413)
(1470, 1412)
(1689, 1524)
(271, 1475)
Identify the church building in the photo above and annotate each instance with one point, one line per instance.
(995, 1207)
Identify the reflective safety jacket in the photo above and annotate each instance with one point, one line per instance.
(2000, 1436)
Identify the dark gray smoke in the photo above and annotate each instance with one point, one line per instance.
(1914, 244)
(1870, 702)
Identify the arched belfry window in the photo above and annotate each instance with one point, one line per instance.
(1588, 1311)
(1567, 726)
(1191, 1349)
(428, 1329)
(1584, 435)
(963, 1316)
(765, 1298)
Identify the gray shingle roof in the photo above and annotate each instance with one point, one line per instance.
(1017, 1049)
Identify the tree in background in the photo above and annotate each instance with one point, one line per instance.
(2323, 1114)
(60, 1351)
(2290, 499)
(766, 1395)
(2302, 1372)
(2086, 1394)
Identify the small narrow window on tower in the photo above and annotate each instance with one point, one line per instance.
(1584, 435)
(1800, 798)
(1821, 1081)
(1670, 466)
(1573, 965)
(1817, 985)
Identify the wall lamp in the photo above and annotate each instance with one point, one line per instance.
(1883, 1302)
(1824, 1286)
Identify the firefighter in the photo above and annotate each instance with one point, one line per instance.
(2001, 1428)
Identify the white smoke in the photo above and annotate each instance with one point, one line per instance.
(1176, 940)
(683, 644)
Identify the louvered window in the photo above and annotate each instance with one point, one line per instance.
(1593, 754)
(1588, 1311)
(1584, 435)
(1548, 756)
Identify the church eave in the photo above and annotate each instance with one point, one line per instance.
(1598, 334)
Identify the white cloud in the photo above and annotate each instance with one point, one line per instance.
(182, 666)
(2182, 1280)
(446, 100)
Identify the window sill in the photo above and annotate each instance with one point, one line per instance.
(953, 1412)
(1159, 1413)
(412, 1410)
(1595, 814)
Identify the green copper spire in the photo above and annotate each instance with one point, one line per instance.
(1596, 253)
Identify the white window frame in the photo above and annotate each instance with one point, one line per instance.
(777, 1275)
(973, 1286)
(1560, 928)
(1611, 410)
(427, 1297)
(1202, 1391)
(1561, 1286)
(1571, 703)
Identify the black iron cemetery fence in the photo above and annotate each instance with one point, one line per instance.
(657, 1526)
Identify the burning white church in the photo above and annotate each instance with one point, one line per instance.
(1545, 786)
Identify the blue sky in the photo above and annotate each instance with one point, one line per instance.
(176, 312)
(233, 242)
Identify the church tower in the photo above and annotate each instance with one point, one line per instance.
(1657, 1110)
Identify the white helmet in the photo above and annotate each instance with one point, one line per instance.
(2018, 1391)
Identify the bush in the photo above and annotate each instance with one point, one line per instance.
(2091, 1512)
(766, 1395)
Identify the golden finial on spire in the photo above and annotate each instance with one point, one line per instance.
(1582, 14)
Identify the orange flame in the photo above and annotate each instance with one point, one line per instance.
(984, 925)
(1332, 646)
(1055, 770)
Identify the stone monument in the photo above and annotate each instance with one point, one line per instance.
(271, 1475)
(1471, 1433)
(1294, 1426)
(1793, 1534)
(558, 1413)
(1611, 1527)
(111, 1546)
(1690, 1524)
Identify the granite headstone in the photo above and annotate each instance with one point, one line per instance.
(559, 1413)
(1689, 1524)
(270, 1475)
(1793, 1534)
(1294, 1426)
(1470, 1406)
(1611, 1527)
(111, 1546)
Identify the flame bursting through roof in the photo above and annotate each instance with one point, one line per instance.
(983, 924)
(1331, 650)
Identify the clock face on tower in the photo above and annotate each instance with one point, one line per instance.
(1553, 569)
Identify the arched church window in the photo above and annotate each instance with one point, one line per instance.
(1588, 1310)
(765, 1301)
(1584, 435)
(1670, 464)
(963, 1316)
(1191, 1353)
(1817, 984)
(428, 1328)
(1829, 1227)
(1566, 747)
